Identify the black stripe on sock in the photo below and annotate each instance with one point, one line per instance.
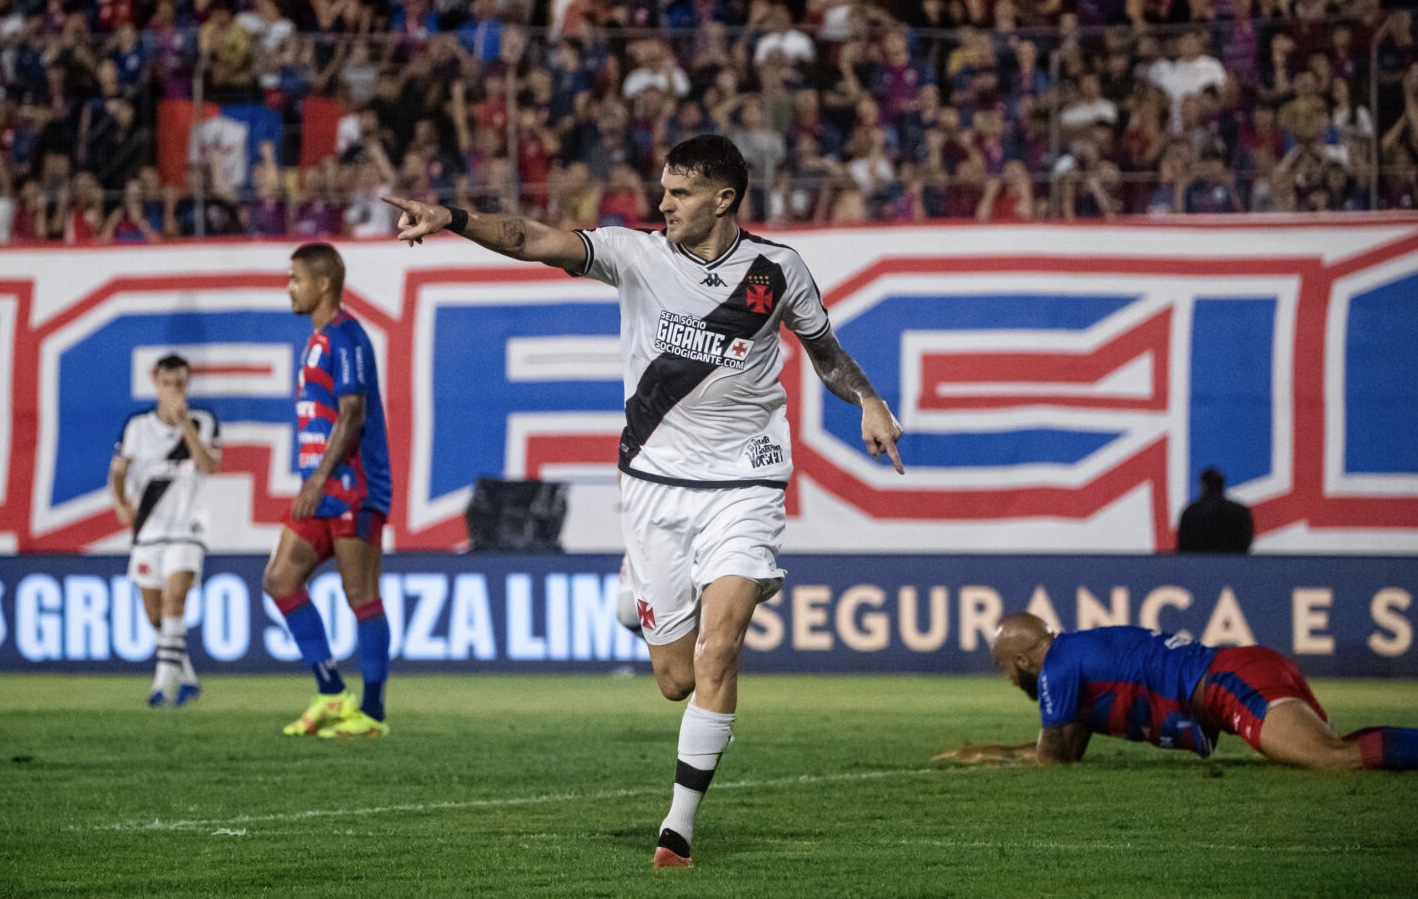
(692, 778)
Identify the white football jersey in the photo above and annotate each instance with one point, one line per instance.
(701, 348)
(163, 482)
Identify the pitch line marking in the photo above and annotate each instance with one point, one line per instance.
(543, 799)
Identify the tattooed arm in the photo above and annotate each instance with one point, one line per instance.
(511, 235)
(841, 374)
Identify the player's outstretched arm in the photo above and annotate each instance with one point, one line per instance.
(841, 374)
(511, 235)
(1063, 745)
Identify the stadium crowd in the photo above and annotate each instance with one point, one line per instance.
(848, 111)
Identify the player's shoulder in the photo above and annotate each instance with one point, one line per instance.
(613, 234)
(786, 258)
(771, 249)
(344, 320)
(133, 422)
(140, 417)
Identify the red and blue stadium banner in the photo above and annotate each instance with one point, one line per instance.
(1336, 616)
(1061, 387)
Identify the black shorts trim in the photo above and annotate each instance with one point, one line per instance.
(702, 485)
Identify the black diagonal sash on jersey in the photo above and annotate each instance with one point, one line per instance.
(670, 378)
(157, 487)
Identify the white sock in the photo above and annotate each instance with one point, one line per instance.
(172, 649)
(702, 738)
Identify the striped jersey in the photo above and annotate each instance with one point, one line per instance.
(163, 481)
(1126, 682)
(339, 361)
(702, 352)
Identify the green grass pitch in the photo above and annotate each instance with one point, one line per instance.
(554, 786)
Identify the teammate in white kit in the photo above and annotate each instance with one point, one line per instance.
(156, 484)
(705, 455)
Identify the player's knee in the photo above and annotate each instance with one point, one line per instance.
(716, 657)
(674, 686)
(276, 583)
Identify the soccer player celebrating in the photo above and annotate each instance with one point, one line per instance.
(343, 501)
(162, 458)
(1138, 684)
(705, 454)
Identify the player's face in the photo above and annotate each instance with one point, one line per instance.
(171, 383)
(1024, 680)
(689, 206)
(1028, 682)
(303, 287)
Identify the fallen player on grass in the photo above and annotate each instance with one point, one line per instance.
(1163, 689)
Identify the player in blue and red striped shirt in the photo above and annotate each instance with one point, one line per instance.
(1163, 689)
(343, 501)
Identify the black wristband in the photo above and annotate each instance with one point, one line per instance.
(460, 220)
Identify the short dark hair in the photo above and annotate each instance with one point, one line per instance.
(1213, 481)
(713, 158)
(171, 362)
(324, 262)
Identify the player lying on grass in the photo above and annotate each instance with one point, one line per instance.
(1143, 685)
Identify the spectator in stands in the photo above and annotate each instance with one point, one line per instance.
(778, 35)
(320, 214)
(1027, 80)
(495, 188)
(655, 67)
(230, 76)
(127, 223)
(576, 200)
(30, 223)
(624, 202)
(1192, 72)
(764, 149)
(898, 83)
(266, 214)
(80, 212)
(154, 209)
(1087, 108)
(367, 215)
(843, 89)
(1142, 144)
(1399, 184)
(872, 167)
(1307, 110)
(203, 207)
(267, 26)
(1401, 140)
(1213, 187)
(1396, 51)
(174, 52)
(1336, 191)
(1087, 185)
(1350, 123)
(1276, 79)
(1008, 197)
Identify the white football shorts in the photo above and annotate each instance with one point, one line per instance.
(679, 540)
(150, 565)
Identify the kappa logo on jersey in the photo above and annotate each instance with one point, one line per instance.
(690, 338)
(758, 294)
(713, 280)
